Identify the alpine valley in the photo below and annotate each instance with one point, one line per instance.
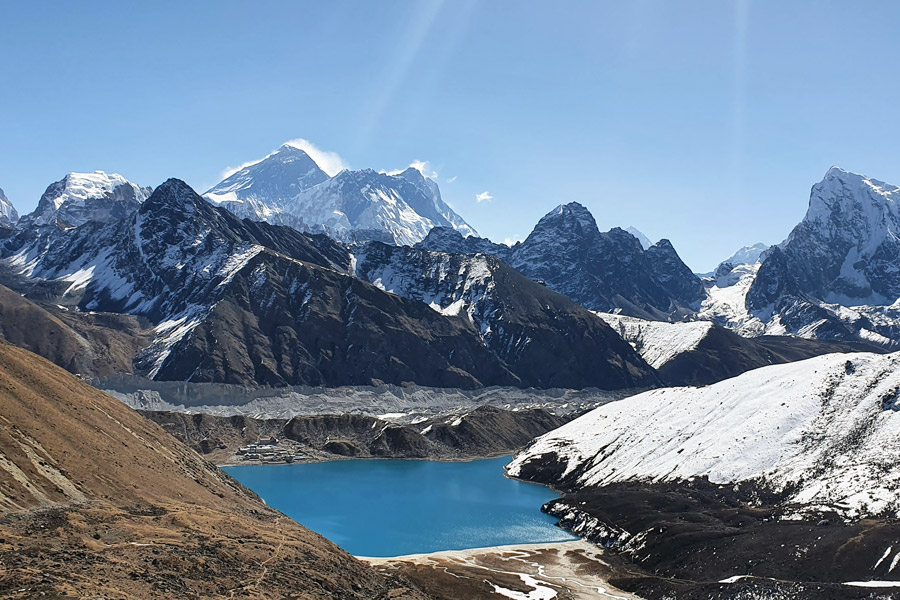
(727, 435)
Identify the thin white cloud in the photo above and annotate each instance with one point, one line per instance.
(422, 166)
(512, 241)
(483, 196)
(330, 162)
(425, 168)
(452, 179)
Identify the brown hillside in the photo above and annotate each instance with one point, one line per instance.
(86, 343)
(96, 501)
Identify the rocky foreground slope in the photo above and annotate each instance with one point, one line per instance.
(786, 472)
(96, 501)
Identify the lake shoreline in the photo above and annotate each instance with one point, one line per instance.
(573, 569)
(415, 506)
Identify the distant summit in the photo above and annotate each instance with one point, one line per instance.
(8, 214)
(643, 239)
(289, 188)
(605, 271)
(81, 197)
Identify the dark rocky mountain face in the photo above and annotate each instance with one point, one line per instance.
(601, 271)
(238, 301)
(526, 325)
(283, 322)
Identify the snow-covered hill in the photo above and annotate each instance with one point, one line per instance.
(288, 188)
(658, 342)
(8, 214)
(81, 197)
(825, 432)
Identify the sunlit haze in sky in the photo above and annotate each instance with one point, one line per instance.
(705, 122)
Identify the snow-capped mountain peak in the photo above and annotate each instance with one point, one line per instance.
(261, 190)
(747, 255)
(81, 197)
(8, 212)
(643, 239)
(289, 188)
(870, 207)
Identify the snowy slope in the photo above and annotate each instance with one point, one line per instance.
(8, 214)
(825, 431)
(658, 342)
(81, 197)
(726, 302)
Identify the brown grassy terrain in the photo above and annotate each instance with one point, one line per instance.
(96, 501)
(81, 342)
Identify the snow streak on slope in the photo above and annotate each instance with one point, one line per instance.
(658, 342)
(826, 431)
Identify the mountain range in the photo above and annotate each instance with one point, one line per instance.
(214, 296)
(602, 271)
(240, 301)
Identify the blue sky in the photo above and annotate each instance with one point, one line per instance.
(705, 121)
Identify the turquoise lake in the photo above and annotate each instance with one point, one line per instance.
(394, 507)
